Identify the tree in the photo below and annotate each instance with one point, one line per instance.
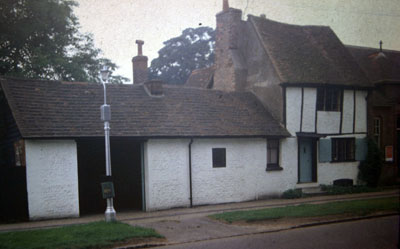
(181, 55)
(40, 40)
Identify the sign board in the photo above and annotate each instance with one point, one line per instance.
(107, 188)
(389, 153)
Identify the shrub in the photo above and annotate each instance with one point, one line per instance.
(292, 194)
(370, 169)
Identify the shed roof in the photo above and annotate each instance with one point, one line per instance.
(64, 109)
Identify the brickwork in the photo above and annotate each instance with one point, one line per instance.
(227, 39)
(139, 66)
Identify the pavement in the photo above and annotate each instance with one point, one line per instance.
(184, 225)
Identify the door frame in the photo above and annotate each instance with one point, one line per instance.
(314, 174)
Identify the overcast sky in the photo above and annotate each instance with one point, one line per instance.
(116, 24)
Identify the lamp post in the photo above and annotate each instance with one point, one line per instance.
(110, 213)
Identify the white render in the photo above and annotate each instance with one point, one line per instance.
(309, 105)
(348, 111)
(328, 172)
(361, 111)
(166, 173)
(52, 178)
(328, 122)
(244, 177)
(293, 109)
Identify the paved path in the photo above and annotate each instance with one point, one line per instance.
(183, 225)
(374, 233)
(186, 226)
(193, 212)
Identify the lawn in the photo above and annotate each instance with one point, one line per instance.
(356, 207)
(92, 235)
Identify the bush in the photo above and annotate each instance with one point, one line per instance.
(370, 169)
(292, 194)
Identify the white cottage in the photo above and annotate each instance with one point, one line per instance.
(170, 146)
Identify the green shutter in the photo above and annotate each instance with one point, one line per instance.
(361, 149)
(325, 150)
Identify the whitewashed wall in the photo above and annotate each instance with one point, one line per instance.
(328, 122)
(361, 111)
(293, 109)
(309, 105)
(52, 178)
(328, 172)
(348, 111)
(166, 173)
(244, 177)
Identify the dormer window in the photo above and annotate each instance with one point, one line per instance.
(328, 99)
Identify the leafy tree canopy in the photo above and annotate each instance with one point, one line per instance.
(181, 55)
(40, 40)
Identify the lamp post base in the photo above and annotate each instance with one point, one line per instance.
(110, 213)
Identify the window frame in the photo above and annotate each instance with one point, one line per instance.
(326, 97)
(348, 154)
(377, 129)
(273, 144)
(218, 159)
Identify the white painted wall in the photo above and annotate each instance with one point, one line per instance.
(348, 111)
(361, 111)
(328, 122)
(328, 172)
(166, 173)
(52, 178)
(244, 177)
(309, 105)
(293, 109)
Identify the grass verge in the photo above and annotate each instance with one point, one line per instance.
(357, 207)
(93, 235)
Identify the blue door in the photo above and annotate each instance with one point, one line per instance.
(306, 160)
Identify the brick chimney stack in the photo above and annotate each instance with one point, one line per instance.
(139, 65)
(227, 41)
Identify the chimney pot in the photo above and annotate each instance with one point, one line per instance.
(225, 5)
(140, 45)
(154, 88)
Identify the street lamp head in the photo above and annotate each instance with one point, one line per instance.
(104, 73)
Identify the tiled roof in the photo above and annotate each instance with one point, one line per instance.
(308, 54)
(201, 78)
(379, 67)
(60, 109)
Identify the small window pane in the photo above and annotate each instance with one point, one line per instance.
(320, 99)
(219, 157)
(273, 153)
(343, 149)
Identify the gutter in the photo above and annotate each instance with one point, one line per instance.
(190, 172)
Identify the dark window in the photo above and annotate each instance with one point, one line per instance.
(343, 149)
(328, 99)
(219, 157)
(273, 154)
(377, 130)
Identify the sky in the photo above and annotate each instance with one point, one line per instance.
(117, 24)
